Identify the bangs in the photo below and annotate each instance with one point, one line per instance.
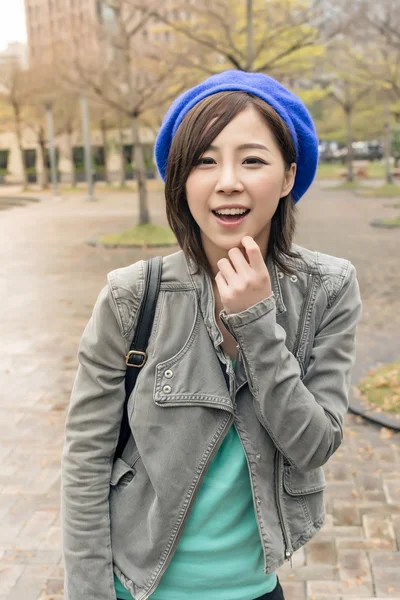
(202, 125)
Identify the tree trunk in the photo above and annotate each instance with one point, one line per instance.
(122, 155)
(144, 216)
(387, 144)
(44, 175)
(70, 154)
(349, 143)
(103, 128)
(249, 16)
(18, 133)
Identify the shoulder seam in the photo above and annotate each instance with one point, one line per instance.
(114, 296)
(118, 303)
(343, 278)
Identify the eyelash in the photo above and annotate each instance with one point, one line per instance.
(253, 158)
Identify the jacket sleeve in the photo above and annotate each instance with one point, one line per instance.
(303, 417)
(92, 430)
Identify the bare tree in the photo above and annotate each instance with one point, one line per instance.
(275, 37)
(348, 94)
(40, 91)
(67, 118)
(376, 53)
(128, 76)
(13, 92)
(338, 70)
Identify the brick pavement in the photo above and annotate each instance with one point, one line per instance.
(49, 281)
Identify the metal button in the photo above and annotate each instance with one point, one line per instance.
(167, 389)
(293, 278)
(168, 374)
(280, 275)
(258, 456)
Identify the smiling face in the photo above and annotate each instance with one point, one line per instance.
(242, 168)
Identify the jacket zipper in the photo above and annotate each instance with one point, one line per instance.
(182, 525)
(254, 500)
(303, 316)
(288, 549)
(278, 466)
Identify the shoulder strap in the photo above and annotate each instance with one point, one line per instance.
(136, 357)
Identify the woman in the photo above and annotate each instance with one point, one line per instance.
(244, 391)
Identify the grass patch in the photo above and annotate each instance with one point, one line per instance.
(381, 389)
(140, 236)
(333, 170)
(394, 221)
(70, 188)
(388, 190)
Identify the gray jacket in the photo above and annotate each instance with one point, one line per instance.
(288, 398)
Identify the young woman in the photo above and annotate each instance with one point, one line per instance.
(245, 388)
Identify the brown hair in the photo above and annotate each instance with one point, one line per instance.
(199, 128)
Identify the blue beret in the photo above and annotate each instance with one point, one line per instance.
(287, 105)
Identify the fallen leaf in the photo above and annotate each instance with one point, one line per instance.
(385, 433)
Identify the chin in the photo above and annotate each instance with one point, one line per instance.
(230, 242)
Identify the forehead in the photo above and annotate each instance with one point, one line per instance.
(247, 126)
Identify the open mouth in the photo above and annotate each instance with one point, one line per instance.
(231, 216)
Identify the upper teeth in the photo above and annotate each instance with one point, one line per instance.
(231, 211)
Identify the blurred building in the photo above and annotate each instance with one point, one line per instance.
(71, 28)
(53, 25)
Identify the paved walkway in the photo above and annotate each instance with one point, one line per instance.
(49, 281)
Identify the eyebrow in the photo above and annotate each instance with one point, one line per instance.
(248, 146)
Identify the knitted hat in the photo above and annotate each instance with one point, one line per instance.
(287, 105)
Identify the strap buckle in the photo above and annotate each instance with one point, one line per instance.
(138, 353)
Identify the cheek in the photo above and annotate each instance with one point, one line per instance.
(267, 186)
(198, 189)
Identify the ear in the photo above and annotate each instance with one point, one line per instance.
(288, 181)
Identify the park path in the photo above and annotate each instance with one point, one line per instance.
(49, 280)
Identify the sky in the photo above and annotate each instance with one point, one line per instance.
(12, 22)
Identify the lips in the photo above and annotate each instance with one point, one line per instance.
(230, 220)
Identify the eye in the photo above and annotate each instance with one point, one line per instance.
(204, 160)
(253, 160)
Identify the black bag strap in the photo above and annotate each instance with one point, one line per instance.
(136, 357)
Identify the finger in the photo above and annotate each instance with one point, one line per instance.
(221, 284)
(256, 259)
(239, 262)
(227, 270)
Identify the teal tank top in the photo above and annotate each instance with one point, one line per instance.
(219, 554)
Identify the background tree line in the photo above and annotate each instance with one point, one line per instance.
(342, 58)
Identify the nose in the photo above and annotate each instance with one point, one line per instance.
(228, 181)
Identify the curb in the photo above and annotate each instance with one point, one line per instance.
(378, 223)
(17, 200)
(389, 420)
(96, 244)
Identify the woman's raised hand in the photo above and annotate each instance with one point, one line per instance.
(243, 282)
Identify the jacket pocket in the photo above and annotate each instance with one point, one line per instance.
(121, 474)
(193, 375)
(303, 499)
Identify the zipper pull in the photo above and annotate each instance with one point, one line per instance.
(288, 555)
